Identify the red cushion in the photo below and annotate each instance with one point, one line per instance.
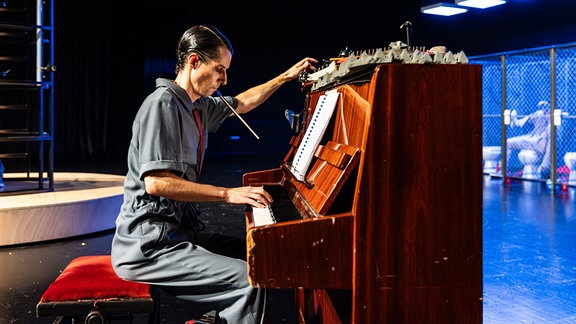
(92, 277)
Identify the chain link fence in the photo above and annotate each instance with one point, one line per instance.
(529, 114)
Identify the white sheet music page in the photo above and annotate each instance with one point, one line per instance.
(314, 132)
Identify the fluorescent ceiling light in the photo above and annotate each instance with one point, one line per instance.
(482, 4)
(443, 9)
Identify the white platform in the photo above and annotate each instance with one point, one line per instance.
(81, 203)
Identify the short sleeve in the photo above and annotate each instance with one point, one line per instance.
(160, 139)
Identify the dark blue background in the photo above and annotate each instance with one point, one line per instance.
(108, 54)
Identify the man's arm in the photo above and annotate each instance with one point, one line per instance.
(167, 184)
(255, 96)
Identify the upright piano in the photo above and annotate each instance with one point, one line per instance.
(385, 223)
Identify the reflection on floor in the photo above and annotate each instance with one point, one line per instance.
(529, 254)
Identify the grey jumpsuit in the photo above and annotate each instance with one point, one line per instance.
(156, 239)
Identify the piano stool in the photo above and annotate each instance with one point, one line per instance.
(89, 291)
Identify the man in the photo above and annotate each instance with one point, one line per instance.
(157, 237)
(537, 139)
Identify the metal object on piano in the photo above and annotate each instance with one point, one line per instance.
(345, 52)
(295, 120)
(350, 68)
(408, 26)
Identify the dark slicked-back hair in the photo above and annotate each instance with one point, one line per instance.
(203, 40)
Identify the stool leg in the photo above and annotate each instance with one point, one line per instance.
(95, 317)
(154, 317)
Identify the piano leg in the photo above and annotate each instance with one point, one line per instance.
(315, 306)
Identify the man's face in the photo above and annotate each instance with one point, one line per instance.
(209, 75)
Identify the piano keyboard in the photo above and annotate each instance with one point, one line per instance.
(263, 216)
(281, 210)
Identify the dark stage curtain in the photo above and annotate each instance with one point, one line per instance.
(97, 83)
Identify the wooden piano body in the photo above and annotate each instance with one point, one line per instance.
(391, 214)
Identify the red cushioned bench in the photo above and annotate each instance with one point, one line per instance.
(88, 290)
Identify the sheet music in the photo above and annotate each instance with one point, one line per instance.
(314, 132)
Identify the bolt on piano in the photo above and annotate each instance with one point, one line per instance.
(377, 213)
